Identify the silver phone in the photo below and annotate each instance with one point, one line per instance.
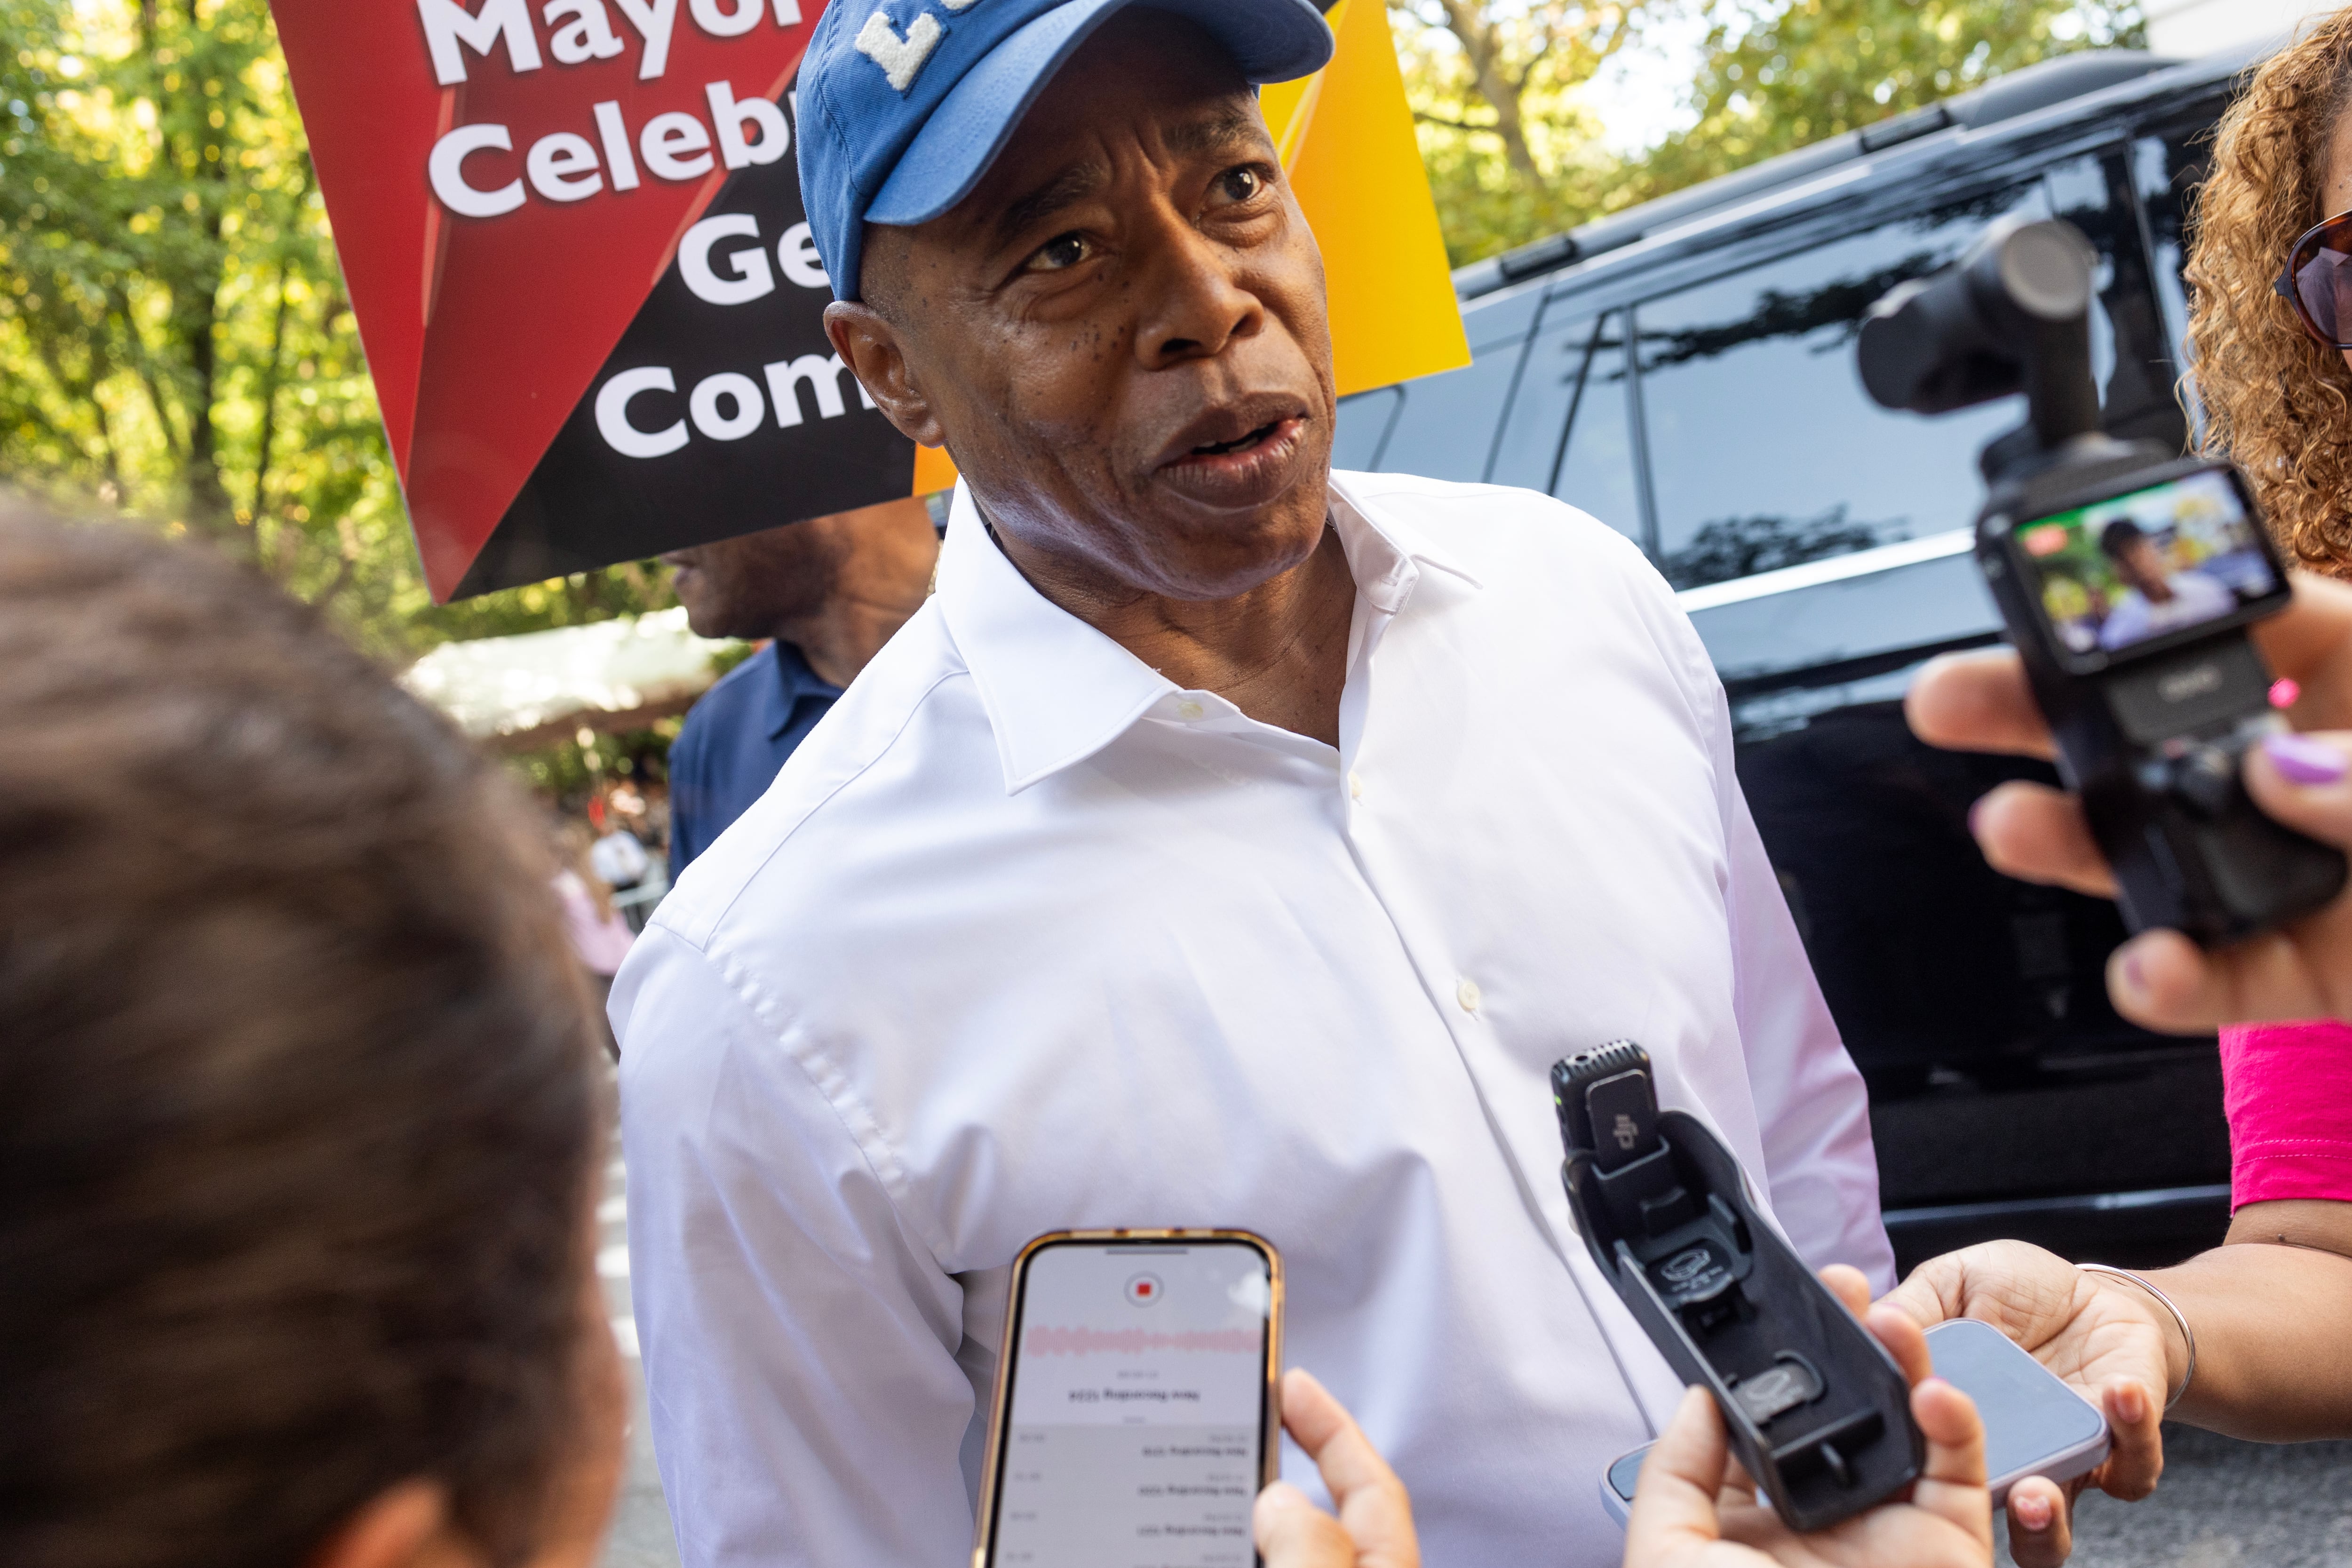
(2035, 1424)
(1135, 1416)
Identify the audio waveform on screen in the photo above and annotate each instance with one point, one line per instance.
(1044, 1340)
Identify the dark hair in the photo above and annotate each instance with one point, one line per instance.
(297, 1115)
(2119, 536)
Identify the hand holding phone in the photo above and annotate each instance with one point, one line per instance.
(1374, 1527)
(2033, 1423)
(1136, 1407)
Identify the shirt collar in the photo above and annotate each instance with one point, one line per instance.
(1057, 690)
(794, 682)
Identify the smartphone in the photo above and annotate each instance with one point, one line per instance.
(2035, 1424)
(1136, 1419)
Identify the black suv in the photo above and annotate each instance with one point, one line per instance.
(1685, 372)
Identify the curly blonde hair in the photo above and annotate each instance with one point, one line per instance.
(2277, 402)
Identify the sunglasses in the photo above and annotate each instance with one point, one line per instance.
(2317, 281)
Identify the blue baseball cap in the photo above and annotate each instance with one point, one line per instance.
(903, 104)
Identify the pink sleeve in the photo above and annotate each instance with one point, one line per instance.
(2288, 1091)
(600, 942)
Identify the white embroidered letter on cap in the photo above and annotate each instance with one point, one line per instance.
(901, 59)
(957, 4)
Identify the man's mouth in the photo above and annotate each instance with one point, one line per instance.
(1239, 443)
(1251, 455)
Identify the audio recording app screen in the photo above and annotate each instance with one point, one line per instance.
(1137, 1396)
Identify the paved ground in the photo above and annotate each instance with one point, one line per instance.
(641, 1536)
(2223, 1504)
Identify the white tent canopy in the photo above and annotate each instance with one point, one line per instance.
(610, 675)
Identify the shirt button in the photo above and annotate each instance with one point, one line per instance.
(1355, 786)
(1467, 995)
(1188, 708)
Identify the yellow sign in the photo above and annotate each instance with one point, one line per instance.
(1346, 137)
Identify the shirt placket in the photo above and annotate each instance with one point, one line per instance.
(1456, 996)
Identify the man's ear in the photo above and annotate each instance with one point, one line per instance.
(868, 345)
(403, 1526)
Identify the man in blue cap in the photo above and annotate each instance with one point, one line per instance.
(1226, 843)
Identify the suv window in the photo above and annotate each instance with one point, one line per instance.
(2131, 349)
(1447, 428)
(2166, 170)
(1362, 427)
(1571, 432)
(1763, 448)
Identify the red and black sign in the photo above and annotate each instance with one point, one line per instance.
(573, 233)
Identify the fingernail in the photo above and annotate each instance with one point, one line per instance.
(1976, 817)
(2135, 974)
(2033, 1512)
(2131, 1404)
(2304, 760)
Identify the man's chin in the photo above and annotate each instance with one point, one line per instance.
(1222, 557)
(701, 616)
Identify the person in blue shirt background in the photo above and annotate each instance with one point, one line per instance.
(829, 592)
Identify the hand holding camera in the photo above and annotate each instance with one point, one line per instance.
(1983, 701)
(2129, 582)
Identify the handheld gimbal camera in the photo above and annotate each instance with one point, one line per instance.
(2127, 579)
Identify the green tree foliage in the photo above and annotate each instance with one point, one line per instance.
(1819, 67)
(1511, 152)
(1514, 151)
(175, 342)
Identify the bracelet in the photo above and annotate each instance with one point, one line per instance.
(2187, 1334)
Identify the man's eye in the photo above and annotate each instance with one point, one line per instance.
(1059, 252)
(1240, 184)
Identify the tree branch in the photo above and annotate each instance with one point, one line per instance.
(272, 377)
(1484, 46)
(142, 364)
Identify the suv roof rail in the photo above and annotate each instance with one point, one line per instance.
(2019, 92)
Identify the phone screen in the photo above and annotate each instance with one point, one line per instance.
(2124, 571)
(1135, 1413)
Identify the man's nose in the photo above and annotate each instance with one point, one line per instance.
(1196, 300)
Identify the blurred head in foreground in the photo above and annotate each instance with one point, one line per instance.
(297, 1125)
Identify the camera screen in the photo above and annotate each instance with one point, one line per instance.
(2134, 567)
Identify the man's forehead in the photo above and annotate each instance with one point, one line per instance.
(1055, 161)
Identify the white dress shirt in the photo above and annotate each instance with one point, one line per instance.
(1025, 937)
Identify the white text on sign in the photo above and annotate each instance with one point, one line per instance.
(472, 167)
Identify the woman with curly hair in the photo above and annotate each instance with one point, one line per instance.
(2253, 1338)
(2273, 234)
